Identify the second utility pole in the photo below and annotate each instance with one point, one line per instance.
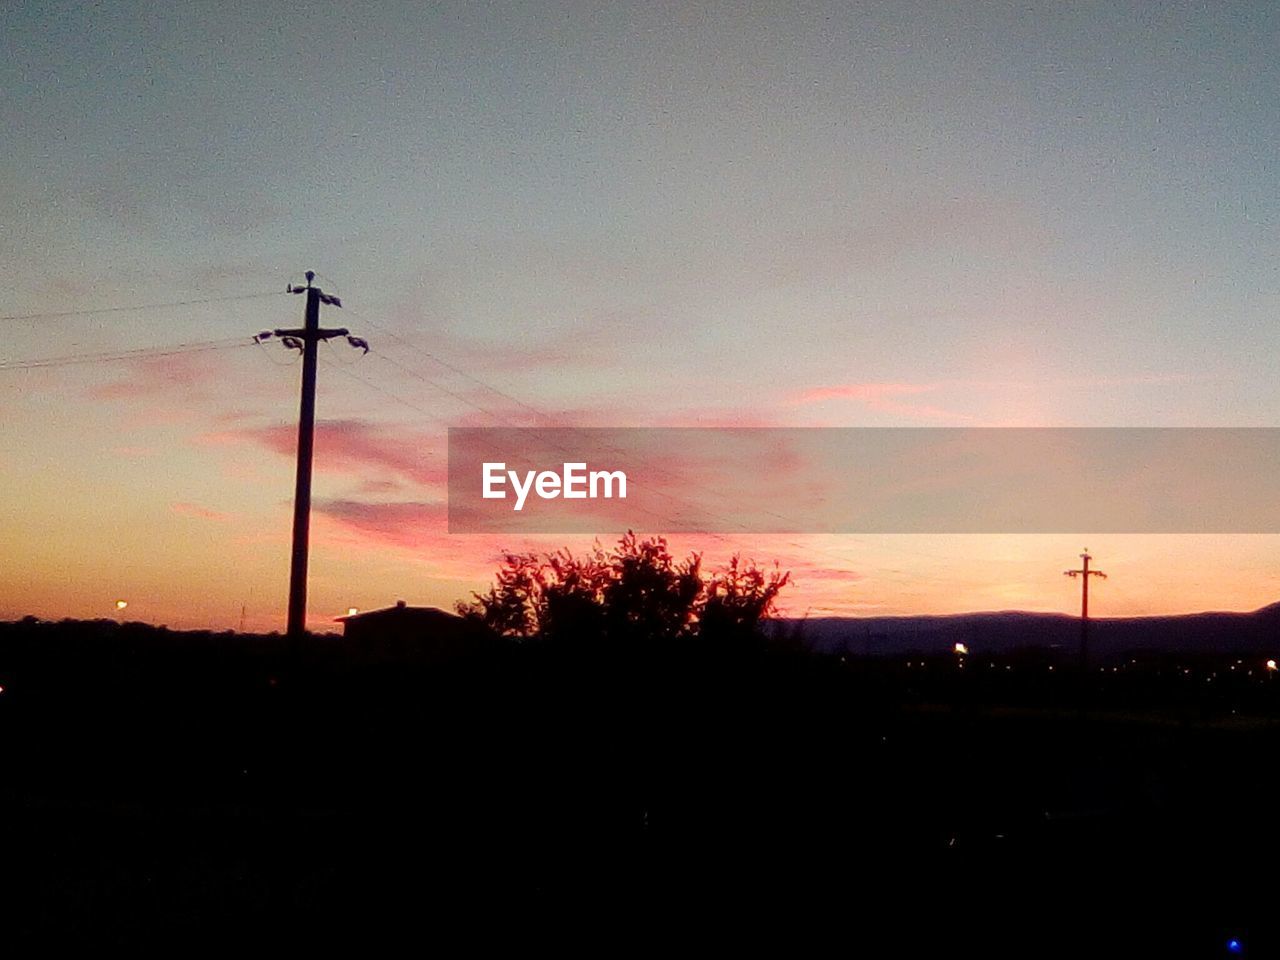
(1084, 573)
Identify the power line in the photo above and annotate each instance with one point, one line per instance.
(673, 498)
(135, 307)
(489, 413)
(435, 419)
(438, 386)
(805, 551)
(276, 363)
(346, 370)
(551, 421)
(462, 373)
(141, 353)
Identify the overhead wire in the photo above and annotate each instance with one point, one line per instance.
(436, 419)
(551, 421)
(807, 551)
(146, 353)
(140, 353)
(138, 307)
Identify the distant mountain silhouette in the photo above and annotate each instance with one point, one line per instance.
(1008, 631)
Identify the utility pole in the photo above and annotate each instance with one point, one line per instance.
(306, 340)
(1084, 573)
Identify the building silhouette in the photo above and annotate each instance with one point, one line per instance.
(416, 634)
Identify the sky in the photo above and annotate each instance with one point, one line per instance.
(658, 214)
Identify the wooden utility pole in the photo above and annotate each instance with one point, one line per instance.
(307, 340)
(1084, 573)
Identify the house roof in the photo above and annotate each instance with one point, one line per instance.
(401, 609)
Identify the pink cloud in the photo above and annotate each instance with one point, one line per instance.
(406, 524)
(232, 416)
(380, 486)
(418, 529)
(355, 447)
(803, 573)
(616, 415)
(161, 376)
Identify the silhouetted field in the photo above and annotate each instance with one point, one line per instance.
(193, 788)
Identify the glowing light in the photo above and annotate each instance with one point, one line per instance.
(1271, 665)
(961, 649)
(1234, 946)
(121, 604)
(352, 611)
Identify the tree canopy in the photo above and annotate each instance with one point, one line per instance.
(633, 593)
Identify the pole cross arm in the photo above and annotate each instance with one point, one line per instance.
(319, 334)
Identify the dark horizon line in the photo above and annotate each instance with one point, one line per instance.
(1057, 615)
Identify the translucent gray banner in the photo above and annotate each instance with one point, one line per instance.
(865, 480)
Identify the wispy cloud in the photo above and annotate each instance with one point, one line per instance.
(406, 524)
(887, 398)
(898, 398)
(176, 375)
(185, 509)
(417, 529)
(356, 447)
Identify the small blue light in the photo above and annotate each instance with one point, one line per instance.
(1235, 946)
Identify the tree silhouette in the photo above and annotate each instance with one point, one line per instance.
(737, 599)
(636, 592)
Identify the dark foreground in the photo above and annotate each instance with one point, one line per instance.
(181, 793)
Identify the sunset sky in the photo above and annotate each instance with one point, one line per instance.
(645, 214)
